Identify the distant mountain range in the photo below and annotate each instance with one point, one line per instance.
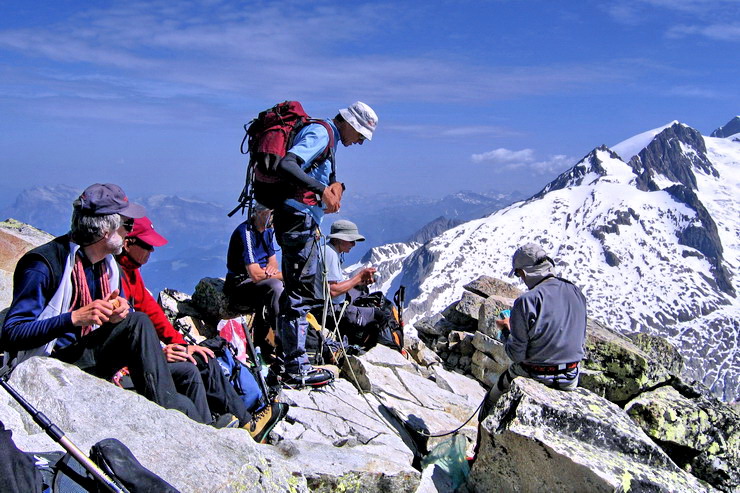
(650, 229)
(199, 231)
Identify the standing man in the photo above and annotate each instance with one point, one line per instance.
(253, 277)
(194, 368)
(546, 333)
(297, 223)
(67, 302)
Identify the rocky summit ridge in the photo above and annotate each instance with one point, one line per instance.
(634, 425)
(649, 229)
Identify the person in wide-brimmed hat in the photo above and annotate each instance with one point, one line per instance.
(364, 324)
(342, 238)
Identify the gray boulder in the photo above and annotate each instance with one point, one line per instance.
(660, 352)
(489, 360)
(176, 304)
(336, 469)
(464, 312)
(489, 311)
(615, 367)
(539, 439)
(434, 327)
(459, 384)
(340, 416)
(420, 404)
(701, 434)
(421, 353)
(190, 456)
(211, 302)
(489, 286)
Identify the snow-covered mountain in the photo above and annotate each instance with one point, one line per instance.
(650, 229)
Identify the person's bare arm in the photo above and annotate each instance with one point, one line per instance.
(365, 276)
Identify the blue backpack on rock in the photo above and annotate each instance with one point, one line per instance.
(239, 374)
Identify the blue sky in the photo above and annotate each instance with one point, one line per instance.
(475, 95)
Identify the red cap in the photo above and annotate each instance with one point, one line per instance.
(144, 230)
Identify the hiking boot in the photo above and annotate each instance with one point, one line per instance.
(262, 422)
(226, 421)
(315, 377)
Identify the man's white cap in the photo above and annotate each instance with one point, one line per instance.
(362, 118)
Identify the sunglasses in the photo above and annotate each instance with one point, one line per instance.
(142, 244)
(128, 225)
(362, 138)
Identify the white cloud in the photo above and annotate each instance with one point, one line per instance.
(720, 32)
(693, 92)
(524, 159)
(444, 131)
(267, 52)
(707, 18)
(505, 156)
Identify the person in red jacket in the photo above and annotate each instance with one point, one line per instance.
(190, 364)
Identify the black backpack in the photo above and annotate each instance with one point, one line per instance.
(268, 137)
(389, 331)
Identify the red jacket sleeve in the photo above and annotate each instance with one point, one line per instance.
(144, 302)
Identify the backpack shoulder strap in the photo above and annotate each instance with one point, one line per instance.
(328, 153)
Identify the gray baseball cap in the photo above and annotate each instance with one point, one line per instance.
(528, 256)
(102, 199)
(345, 230)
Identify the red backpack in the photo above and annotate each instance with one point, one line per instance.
(268, 137)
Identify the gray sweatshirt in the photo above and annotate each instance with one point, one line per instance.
(548, 324)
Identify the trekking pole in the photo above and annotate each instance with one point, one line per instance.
(256, 359)
(57, 435)
(327, 295)
(188, 335)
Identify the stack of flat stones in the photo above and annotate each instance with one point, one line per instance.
(464, 334)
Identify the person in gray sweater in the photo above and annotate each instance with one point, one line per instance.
(545, 334)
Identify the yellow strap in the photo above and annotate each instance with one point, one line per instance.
(313, 322)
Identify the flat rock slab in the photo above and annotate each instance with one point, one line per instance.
(366, 469)
(459, 384)
(418, 402)
(339, 415)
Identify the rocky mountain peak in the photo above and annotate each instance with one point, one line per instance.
(672, 157)
(434, 228)
(653, 242)
(588, 169)
(730, 128)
